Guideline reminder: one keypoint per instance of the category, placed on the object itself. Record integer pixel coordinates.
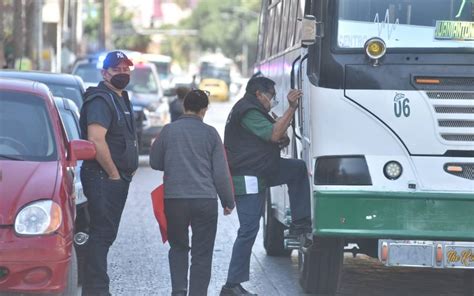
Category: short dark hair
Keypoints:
(260, 83)
(195, 101)
(182, 91)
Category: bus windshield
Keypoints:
(406, 23)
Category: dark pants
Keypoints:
(201, 215)
(106, 200)
(250, 208)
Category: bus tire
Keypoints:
(321, 266)
(72, 286)
(273, 231)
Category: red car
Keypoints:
(37, 199)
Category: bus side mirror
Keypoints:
(309, 29)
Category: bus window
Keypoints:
(269, 33)
(298, 23)
(276, 28)
(284, 25)
(292, 24)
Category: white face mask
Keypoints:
(273, 101)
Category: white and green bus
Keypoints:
(386, 127)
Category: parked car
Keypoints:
(150, 107)
(218, 89)
(61, 85)
(38, 211)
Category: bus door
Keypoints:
(301, 121)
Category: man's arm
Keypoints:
(221, 176)
(96, 134)
(281, 125)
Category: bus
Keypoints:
(163, 66)
(215, 66)
(385, 126)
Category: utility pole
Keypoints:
(106, 25)
(2, 36)
(34, 31)
(18, 44)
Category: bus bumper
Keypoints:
(395, 215)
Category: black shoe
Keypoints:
(301, 226)
(235, 291)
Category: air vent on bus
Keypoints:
(463, 170)
(454, 111)
(450, 95)
(458, 137)
(455, 123)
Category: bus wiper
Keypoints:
(11, 157)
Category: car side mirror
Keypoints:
(81, 150)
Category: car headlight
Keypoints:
(38, 218)
(342, 170)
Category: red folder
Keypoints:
(158, 200)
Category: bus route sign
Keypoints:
(454, 30)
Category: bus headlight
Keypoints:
(392, 170)
(38, 218)
(375, 49)
(342, 170)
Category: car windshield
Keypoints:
(89, 73)
(25, 128)
(143, 80)
(406, 23)
(65, 91)
(163, 69)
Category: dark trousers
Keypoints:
(250, 208)
(201, 215)
(294, 174)
(106, 200)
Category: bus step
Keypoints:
(291, 242)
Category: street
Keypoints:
(138, 262)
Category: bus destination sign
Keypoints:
(454, 30)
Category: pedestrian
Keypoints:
(107, 121)
(192, 157)
(253, 140)
(176, 107)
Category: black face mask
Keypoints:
(120, 81)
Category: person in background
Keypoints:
(192, 157)
(253, 140)
(176, 107)
(107, 121)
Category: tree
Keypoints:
(220, 27)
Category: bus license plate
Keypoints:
(410, 254)
(458, 256)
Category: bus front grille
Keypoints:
(454, 112)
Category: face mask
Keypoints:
(120, 81)
(274, 103)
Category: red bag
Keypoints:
(158, 200)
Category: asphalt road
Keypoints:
(138, 262)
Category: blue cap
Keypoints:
(114, 58)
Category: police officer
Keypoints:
(107, 121)
(253, 140)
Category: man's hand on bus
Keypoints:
(293, 97)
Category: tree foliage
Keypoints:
(223, 25)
